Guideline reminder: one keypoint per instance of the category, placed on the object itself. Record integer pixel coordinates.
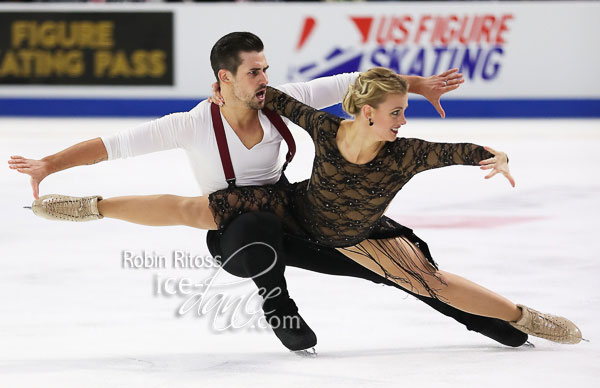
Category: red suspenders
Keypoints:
(273, 117)
(283, 130)
(222, 144)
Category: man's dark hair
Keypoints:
(225, 54)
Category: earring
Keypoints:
(370, 122)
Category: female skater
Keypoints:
(358, 168)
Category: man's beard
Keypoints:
(251, 101)
(256, 105)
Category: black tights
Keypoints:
(266, 228)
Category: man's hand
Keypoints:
(85, 153)
(36, 169)
(499, 164)
(433, 87)
(216, 97)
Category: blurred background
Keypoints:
(520, 59)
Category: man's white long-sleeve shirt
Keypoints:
(194, 132)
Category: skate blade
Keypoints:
(26, 207)
(528, 345)
(306, 353)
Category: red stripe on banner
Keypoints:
(364, 26)
(309, 24)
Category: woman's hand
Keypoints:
(36, 169)
(216, 97)
(499, 164)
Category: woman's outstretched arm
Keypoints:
(160, 210)
(416, 155)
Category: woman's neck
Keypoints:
(357, 143)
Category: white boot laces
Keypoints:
(74, 208)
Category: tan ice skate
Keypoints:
(550, 327)
(65, 208)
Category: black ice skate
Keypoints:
(293, 332)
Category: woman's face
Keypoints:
(389, 116)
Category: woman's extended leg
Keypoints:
(450, 288)
(159, 210)
(154, 210)
(208, 212)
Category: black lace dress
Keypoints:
(342, 204)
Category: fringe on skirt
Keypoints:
(386, 240)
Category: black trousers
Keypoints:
(256, 237)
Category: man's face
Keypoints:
(250, 82)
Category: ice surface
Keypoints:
(71, 316)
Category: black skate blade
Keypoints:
(306, 353)
(585, 340)
(26, 207)
(528, 345)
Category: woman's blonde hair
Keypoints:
(371, 88)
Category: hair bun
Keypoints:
(371, 88)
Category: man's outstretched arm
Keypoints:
(85, 153)
(176, 130)
(326, 91)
